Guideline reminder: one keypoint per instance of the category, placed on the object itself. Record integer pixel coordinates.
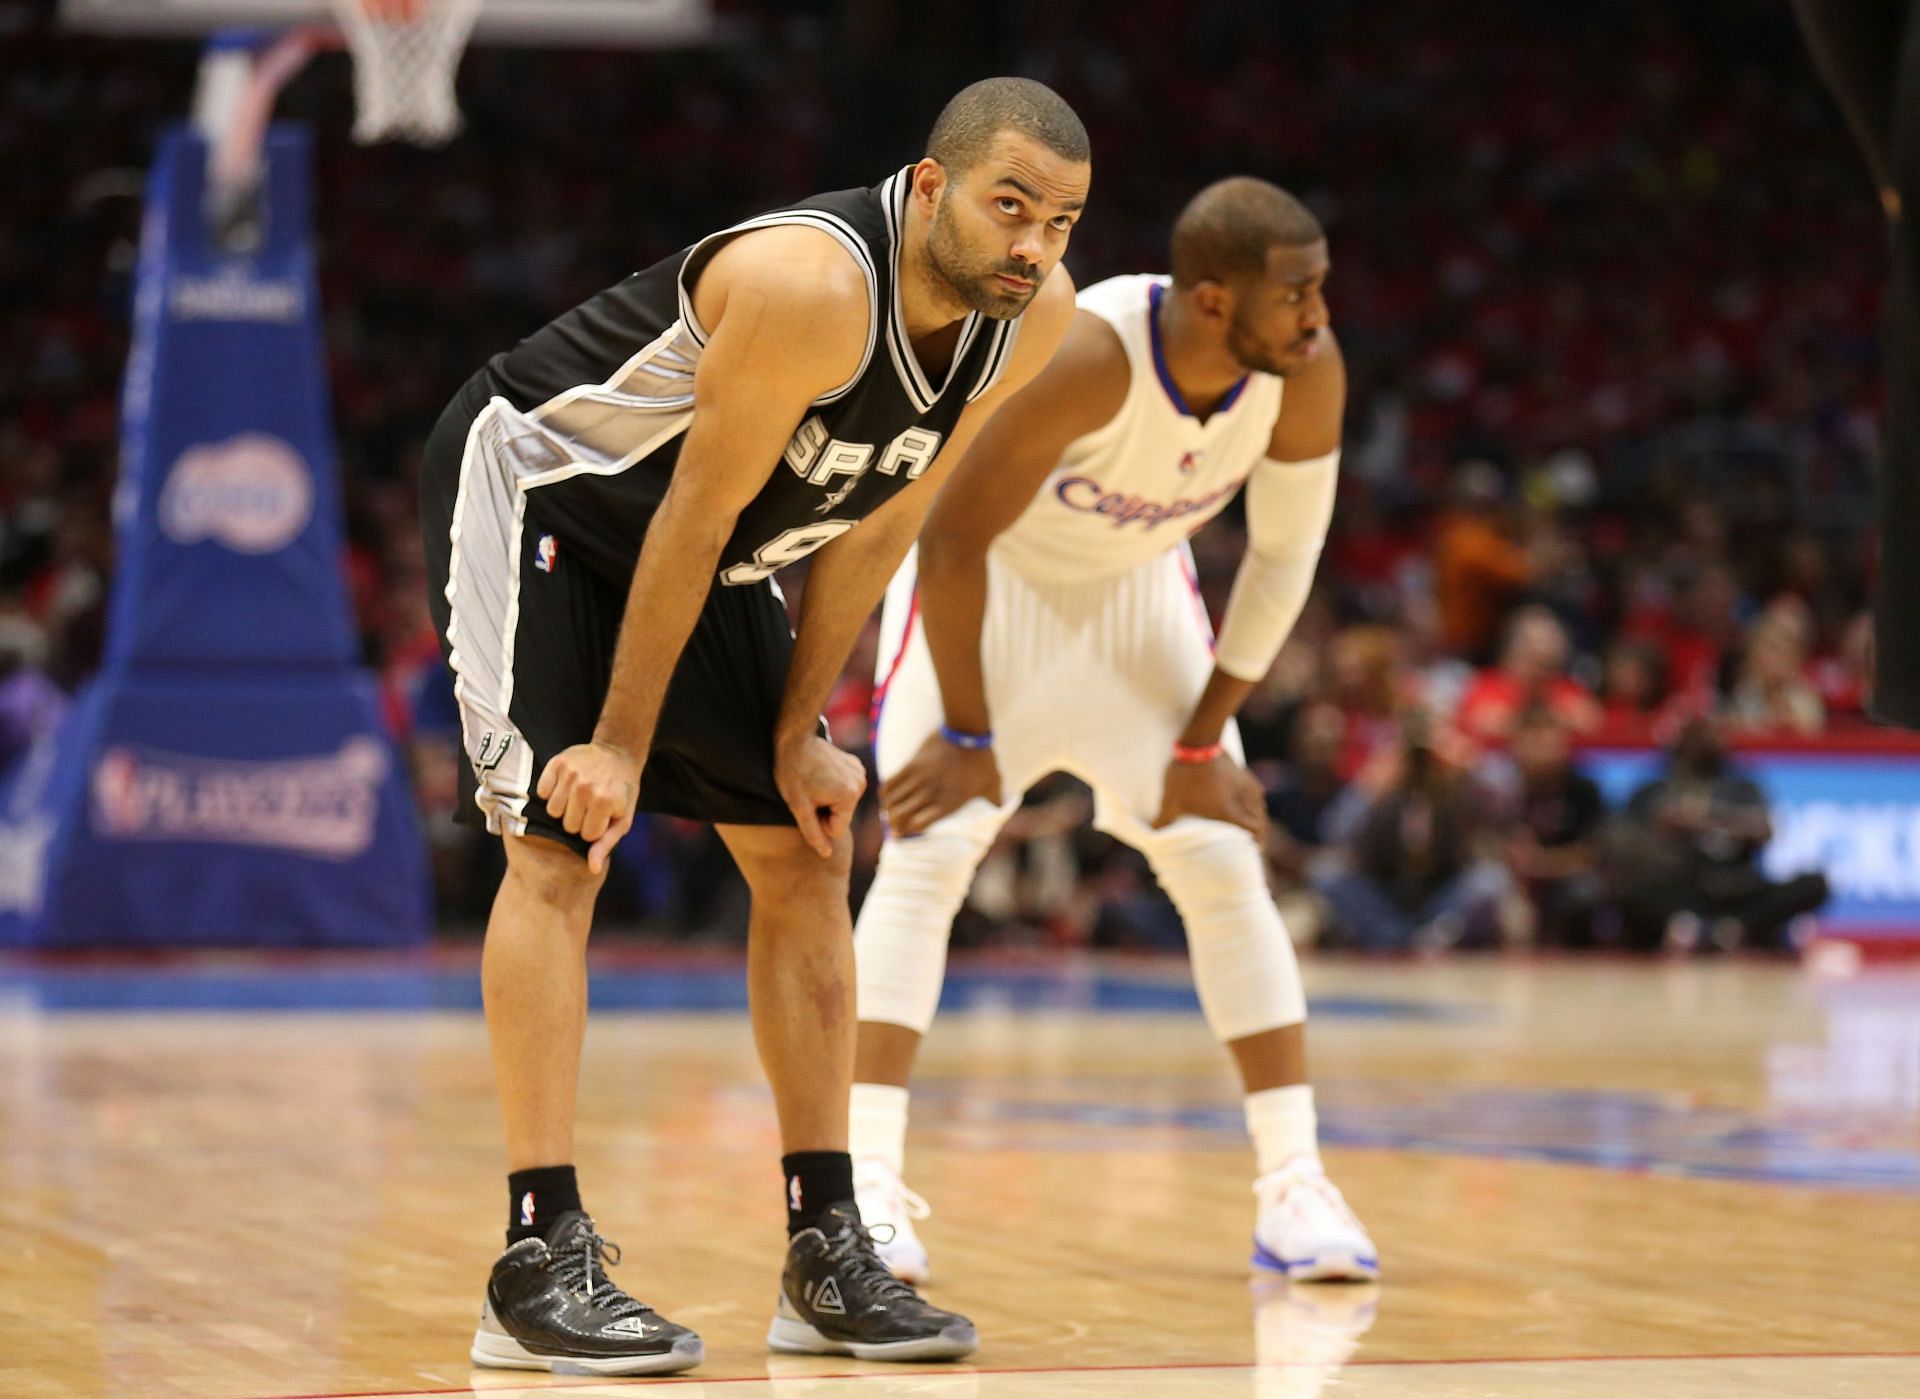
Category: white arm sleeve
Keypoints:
(1289, 507)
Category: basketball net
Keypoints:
(405, 54)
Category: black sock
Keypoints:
(816, 1180)
(538, 1197)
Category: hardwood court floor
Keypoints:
(1585, 1179)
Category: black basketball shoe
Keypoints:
(550, 1307)
(837, 1298)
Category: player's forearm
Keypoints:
(953, 610)
(1289, 510)
(821, 645)
(1268, 596)
(1219, 702)
(678, 559)
(844, 586)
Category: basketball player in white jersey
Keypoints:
(1051, 623)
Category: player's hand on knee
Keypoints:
(1220, 790)
(940, 779)
(592, 789)
(822, 786)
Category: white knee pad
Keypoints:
(900, 939)
(1243, 962)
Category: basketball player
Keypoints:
(604, 508)
(1054, 624)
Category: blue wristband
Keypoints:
(959, 738)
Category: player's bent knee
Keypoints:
(937, 866)
(1243, 960)
(1208, 861)
(777, 862)
(552, 872)
(900, 940)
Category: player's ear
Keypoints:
(1213, 300)
(929, 183)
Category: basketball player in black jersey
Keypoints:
(603, 509)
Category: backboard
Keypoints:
(534, 23)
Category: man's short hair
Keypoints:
(1226, 230)
(965, 129)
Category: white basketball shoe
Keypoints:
(1305, 1230)
(883, 1198)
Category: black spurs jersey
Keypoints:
(588, 414)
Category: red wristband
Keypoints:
(1183, 753)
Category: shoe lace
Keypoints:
(581, 1264)
(852, 1251)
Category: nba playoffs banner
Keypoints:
(266, 813)
(1852, 815)
(225, 779)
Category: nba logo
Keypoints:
(1188, 462)
(545, 553)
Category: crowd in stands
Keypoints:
(1607, 281)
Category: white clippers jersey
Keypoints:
(1147, 480)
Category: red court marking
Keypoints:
(587, 1382)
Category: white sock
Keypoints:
(878, 1123)
(1282, 1124)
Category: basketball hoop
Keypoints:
(405, 55)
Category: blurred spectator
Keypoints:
(1772, 693)
(1554, 822)
(1437, 678)
(1479, 567)
(1368, 681)
(1696, 635)
(1302, 792)
(1689, 863)
(1633, 692)
(1413, 878)
(1532, 671)
(1844, 678)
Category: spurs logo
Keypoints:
(493, 748)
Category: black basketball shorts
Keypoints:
(529, 632)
